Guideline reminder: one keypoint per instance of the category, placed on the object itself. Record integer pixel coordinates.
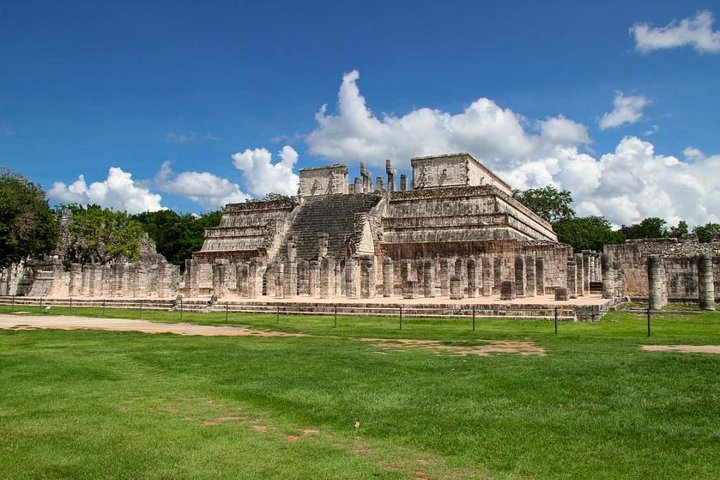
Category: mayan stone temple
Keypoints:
(454, 236)
(457, 233)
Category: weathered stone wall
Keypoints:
(458, 169)
(323, 181)
(680, 264)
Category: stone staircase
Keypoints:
(331, 214)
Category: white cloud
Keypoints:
(207, 189)
(626, 110)
(183, 138)
(696, 32)
(119, 191)
(627, 185)
(261, 176)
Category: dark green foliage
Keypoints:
(27, 225)
(101, 235)
(587, 233)
(177, 236)
(652, 227)
(706, 232)
(548, 202)
(680, 230)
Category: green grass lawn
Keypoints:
(89, 404)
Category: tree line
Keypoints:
(29, 227)
(594, 232)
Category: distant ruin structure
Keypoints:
(453, 230)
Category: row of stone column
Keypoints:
(582, 269)
(123, 280)
(657, 282)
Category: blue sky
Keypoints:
(187, 105)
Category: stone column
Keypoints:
(520, 280)
(191, 278)
(219, 274)
(403, 182)
(303, 277)
(140, 286)
(241, 279)
(444, 275)
(390, 175)
(507, 290)
(706, 282)
(540, 275)
(107, 276)
(253, 279)
(488, 276)
(338, 279)
(608, 277)
(290, 283)
(379, 184)
(75, 285)
(351, 284)
(85, 283)
(497, 272)
(405, 270)
(472, 278)
(456, 288)
(587, 259)
(388, 277)
(530, 275)
(314, 279)
(327, 277)
(279, 279)
(367, 279)
(572, 277)
(655, 283)
(580, 272)
(428, 279)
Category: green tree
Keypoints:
(28, 227)
(101, 235)
(587, 233)
(177, 236)
(548, 202)
(652, 227)
(680, 230)
(706, 232)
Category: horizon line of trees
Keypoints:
(594, 232)
(29, 227)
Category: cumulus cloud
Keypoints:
(627, 185)
(696, 32)
(625, 110)
(261, 176)
(119, 191)
(207, 189)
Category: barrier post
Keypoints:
(473, 313)
(400, 317)
(556, 320)
(226, 312)
(335, 316)
(648, 321)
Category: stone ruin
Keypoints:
(149, 277)
(665, 270)
(456, 233)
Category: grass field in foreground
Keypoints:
(87, 404)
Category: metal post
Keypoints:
(226, 312)
(141, 309)
(556, 318)
(13, 300)
(277, 315)
(473, 311)
(335, 313)
(71, 305)
(400, 317)
(103, 308)
(181, 309)
(648, 320)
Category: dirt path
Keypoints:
(62, 322)
(683, 348)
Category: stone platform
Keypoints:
(545, 306)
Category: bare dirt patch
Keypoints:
(483, 350)
(122, 325)
(302, 433)
(682, 348)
